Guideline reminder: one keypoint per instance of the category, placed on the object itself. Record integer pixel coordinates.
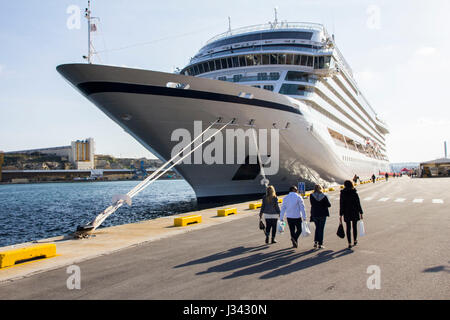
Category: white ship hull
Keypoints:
(141, 103)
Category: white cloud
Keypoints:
(426, 51)
(433, 122)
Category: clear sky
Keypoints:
(398, 50)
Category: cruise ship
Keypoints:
(284, 75)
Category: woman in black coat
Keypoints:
(350, 209)
(319, 213)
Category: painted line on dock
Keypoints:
(438, 201)
(417, 200)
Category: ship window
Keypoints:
(256, 86)
(293, 89)
(268, 87)
(195, 70)
(273, 58)
(222, 78)
(218, 66)
(237, 77)
(316, 62)
(274, 76)
(304, 60)
(230, 63)
(249, 59)
(206, 67)
(327, 61)
(211, 65)
(257, 59)
(200, 68)
(235, 62)
(224, 63)
(297, 59)
(281, 58)
(296, 76)
(242, 61)
(265, 59)
(262, 76)
(289, 58)
(310, 61)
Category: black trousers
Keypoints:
(349, 225)
(320, 226)
(295, 227)
(271, 224)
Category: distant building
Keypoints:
(397, 167)
(435, 168)
(80, 153)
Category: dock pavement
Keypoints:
(405, 254)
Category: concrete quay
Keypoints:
(407, 244)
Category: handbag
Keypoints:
(280, 226)
(361, 229)
(340, 232)
(305, 229)
(261, 225)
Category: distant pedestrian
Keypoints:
(386, 176)
(355, 179)
(271, 211)
(350, 209)
(294, 209)
(373, 178)
(319, 213)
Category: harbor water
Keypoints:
(31, 212)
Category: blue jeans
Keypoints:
(320, 226)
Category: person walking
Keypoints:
(386, 176)
(319, 213)
(350, 209)
(294, 209)
(373, 178)
(271, 211)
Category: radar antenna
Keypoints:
(276, 16)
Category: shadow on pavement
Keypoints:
(438, 269)
(321, 257)
(223, 255)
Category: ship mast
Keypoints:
(91, 28)
(87, 14)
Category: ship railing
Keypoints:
(269, 26)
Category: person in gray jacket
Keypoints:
(271, 211)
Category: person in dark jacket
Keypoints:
(319, 213)
(373, 178)
(350, 209)
(271, 211)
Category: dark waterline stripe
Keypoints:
(93, 87)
